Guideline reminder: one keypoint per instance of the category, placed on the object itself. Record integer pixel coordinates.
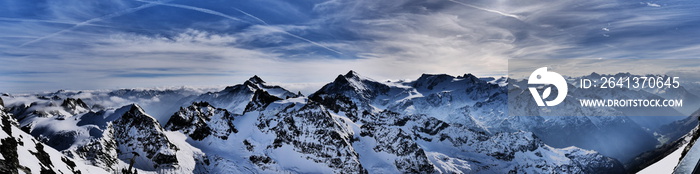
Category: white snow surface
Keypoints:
(665, 165)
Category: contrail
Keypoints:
(65, 22)
(88, 22)
(203, 10)
(212, 12)
(250, 15)
(288, 33)
(45, 21)
(489, 10)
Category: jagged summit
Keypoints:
(260, 100)
(135, 109)
(75, 105)
(136, 113)
(469, 76)
(139, 136)
(428, 81)
(256, 80)
(351, 74)
(353, 81)
(236, 98)
(59, 91)
(594, 75)
(200, 120)
(426, 77)
(431, 81)
(253, 83)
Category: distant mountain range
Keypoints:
(435, 124)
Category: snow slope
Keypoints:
(22, 153)
(665, 165)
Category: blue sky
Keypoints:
(77, 44)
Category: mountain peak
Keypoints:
(260, 100)
(467, 75)
(73, 103)
(351, 74)
(470, 77)
(432, 77)
(140, 137)
(256, 80)
(75, 106)
(424, 75)
(131, 111)
(135, 109)
(254, 83)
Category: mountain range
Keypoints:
(435, 124)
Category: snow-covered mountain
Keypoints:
(434, 124)
(235, 98)
(481, 105)
(368, 140)
(22, 153)
(111, 139)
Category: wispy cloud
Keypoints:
(127, 43)
(488, 10)
(651, 4)
(272, 28)
(203, 10)
(88, 22)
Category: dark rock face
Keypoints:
(260, 160)
(8, 146)
(411, 158)
(429, 81)
(312, 130)
(256, 80)
(260, 100)
(335, 103)
(137, 133)
(100, 152)
(71, 104)
(44, 159)
(200, 120)
(389, 131)
(60, 140)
